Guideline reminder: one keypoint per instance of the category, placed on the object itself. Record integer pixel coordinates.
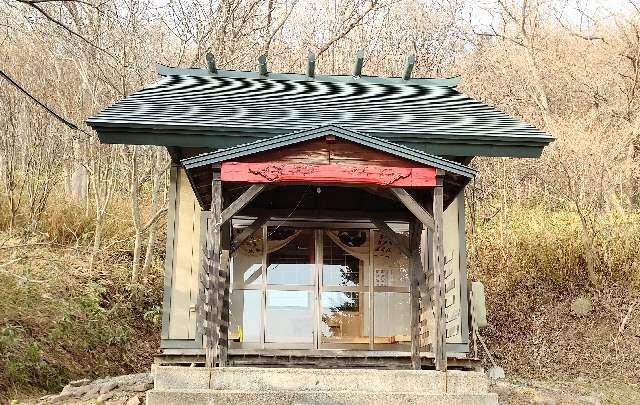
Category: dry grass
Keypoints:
(533, 278)
(62, 321)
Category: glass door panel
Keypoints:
(244, 322)
(289, 317)
(344, 300)
(290, 296)
(392, 321)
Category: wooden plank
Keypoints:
(168, 262)
(285, 172)
(213, 271)
(413, 206)
(396, 238)
(241, 201)
(326, 215)
(415, 268)
(325, 151)
(246, 233)
(439, 344)
(184, 277)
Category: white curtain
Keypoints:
(253, 246)
(386, 255)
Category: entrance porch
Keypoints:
(328, 240)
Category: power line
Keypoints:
(43, 105)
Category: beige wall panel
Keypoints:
(451, 243)
(186, 261)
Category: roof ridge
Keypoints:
(450, 82)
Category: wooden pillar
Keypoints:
(415, 270)
(223, 294)
(213, 273)
(439, 342)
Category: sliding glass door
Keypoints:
(327, 289)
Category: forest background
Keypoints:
(555, 239)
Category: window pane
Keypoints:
(289, 317)
(392, 320)
(291, 260)
(244, 322)
(345, 258)
(390, 265)
(247, 270)
(345, 318)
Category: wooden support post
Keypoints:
(439, 342)
(242, 201)
(213, 273)
(415, 269)
(311, 65)
(223, 295)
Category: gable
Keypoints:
(329, 150)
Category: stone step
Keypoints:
(211, 397)
(304, 379)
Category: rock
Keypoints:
(495, 373)
(78, 391)
(93, 390)
(78, 383)
(133, 401)
(141, 387)
(60, 398)
(591, 401)
(110, 386)
(104, 397)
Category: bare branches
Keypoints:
(35, 5)
(43, 105)
(352, 21)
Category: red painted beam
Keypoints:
(286, 172)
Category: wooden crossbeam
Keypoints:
(408, 67)
(311, 65)
(413, 206)
(262, 66)
(242, 201)
(211, 63)
(357, 66)
(395, 238)
(247, 232)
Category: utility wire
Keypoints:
(43, 105)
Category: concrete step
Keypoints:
(304, 379)
(210, 397)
